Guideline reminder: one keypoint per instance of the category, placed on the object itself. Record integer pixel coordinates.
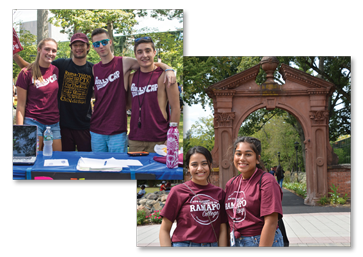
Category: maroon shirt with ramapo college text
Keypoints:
(42, 101)
(191, 215)
(252, 203)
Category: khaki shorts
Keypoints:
(135, 146)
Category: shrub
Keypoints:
(155, 217)
(141, 217)
(334, 195)
(324, 200)
(298, 188)
(341, 200)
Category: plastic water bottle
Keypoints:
(48, 142)
(172, 146)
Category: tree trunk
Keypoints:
(42, 24)
(110, 32)
(321, 66)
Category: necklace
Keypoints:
(140, 104)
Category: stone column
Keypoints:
(223, 129)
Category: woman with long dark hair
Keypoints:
(253, 199)
(197, 206)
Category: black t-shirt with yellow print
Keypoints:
(74, 95)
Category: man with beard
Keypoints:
(74, 95)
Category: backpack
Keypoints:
(280, 222)
(280, 174)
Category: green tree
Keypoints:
(29, 52)
(200, 134)
(277, 135)
(83, 20)
(201, 72)
(169, 48)
(115, 21)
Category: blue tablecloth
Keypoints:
(159, 170)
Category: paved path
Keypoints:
(305, 225)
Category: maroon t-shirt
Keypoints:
(192, 216)
(109, 117)
(42, 101)
(154, 126)
(252, 203)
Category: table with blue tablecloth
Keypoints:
(151, 170)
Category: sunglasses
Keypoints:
(146, 38)
(98, 43)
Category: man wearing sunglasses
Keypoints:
(74, 95)
(109, 120)
(154, 104)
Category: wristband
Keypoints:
(169, 69)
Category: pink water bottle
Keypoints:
(172, 146)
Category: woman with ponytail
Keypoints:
(37, 89)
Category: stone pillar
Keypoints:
(223, 129)
(317, 155)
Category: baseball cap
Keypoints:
(79, 37)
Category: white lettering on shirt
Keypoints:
(141, 90)
(101, 83)
(241, 203)
(205, 211)
(45, 82)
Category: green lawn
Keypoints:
(148, 189)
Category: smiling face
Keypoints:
(47, 53)
(145, 54)
(79, 49)
(199, 168)
(245, 159)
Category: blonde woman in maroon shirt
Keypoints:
(37, 88)
(197, 206)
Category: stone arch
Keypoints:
(282, 107)
(304, 96)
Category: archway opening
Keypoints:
(282, 138)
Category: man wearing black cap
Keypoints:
(74, 96)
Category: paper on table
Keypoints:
(56, 162)
(111, 164)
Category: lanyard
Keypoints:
(140, 105)
(235, 201)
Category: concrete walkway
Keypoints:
(306, 229)
(307, 226)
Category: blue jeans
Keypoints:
(41, 127)
(254, 241)
(280, 182)
(109, 143)
(191, 244)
